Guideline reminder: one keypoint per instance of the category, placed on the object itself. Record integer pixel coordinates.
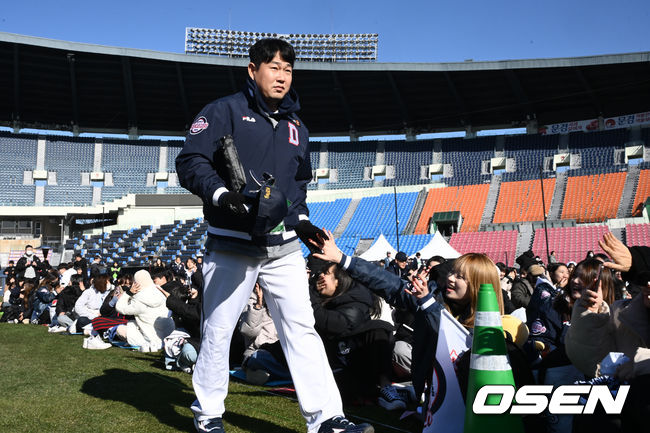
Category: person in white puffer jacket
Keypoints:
(152, 319)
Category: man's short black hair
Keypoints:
(265, 49)
(11, 262)
(162, 273)
(76, 279)
(29, 246)
(438, 259)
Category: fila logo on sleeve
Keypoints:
(293, 134)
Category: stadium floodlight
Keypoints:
(346, 47)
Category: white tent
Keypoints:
(438, 246)
(378, 250)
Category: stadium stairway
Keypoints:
(491, 202)
(619, 233)
(555, 209)
(629, 192)
(415, 214)
(363, 246)
(524, 240)
(347, 216)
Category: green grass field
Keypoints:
(49, 383)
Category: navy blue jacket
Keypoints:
(427, 314)
(280, 149)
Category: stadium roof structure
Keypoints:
(49, 84)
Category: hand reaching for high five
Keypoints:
(329, 251)
(620, 254)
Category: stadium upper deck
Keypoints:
(81, 87)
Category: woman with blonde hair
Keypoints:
(468, 273)
(466, 276)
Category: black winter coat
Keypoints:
(21, 265)
(427, 320)
(67, 298)
(186, 314)
(340, 316)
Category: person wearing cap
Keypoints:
(523, 288)
(236, 147)
(398, 266)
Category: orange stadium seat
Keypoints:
(468, 199)
(522, 201)
(642, 191)
(593, 198)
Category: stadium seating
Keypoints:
(637, 235)
(466, 157)
(642, 191)
(129, 163)
(376, 215)
(597, 149)
(529, 153)
(173, 149)
(328, 214)
(410, 244)
(500, 246)
(593, 198)
(407, 158)
(522, 201)
(350, 161)
(469, 200)
(135, 247)
(569, 243)
(18, 155)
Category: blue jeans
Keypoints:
(187, 357)
(263, 360)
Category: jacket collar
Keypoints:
(289, 104)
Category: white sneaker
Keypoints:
(96, 343)
(72, 329)
(57, 329)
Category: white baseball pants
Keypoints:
(229, 279)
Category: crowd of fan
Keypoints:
(585, 321)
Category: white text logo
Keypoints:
(533, 399)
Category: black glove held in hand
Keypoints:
(306, 231)
(233, 202)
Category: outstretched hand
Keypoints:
(329, 251)
(418, 287)
(310, 235)
(620, 254)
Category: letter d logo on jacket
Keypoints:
(293, 134)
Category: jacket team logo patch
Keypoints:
(537, 328)
(199, 125)
(293, 134)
